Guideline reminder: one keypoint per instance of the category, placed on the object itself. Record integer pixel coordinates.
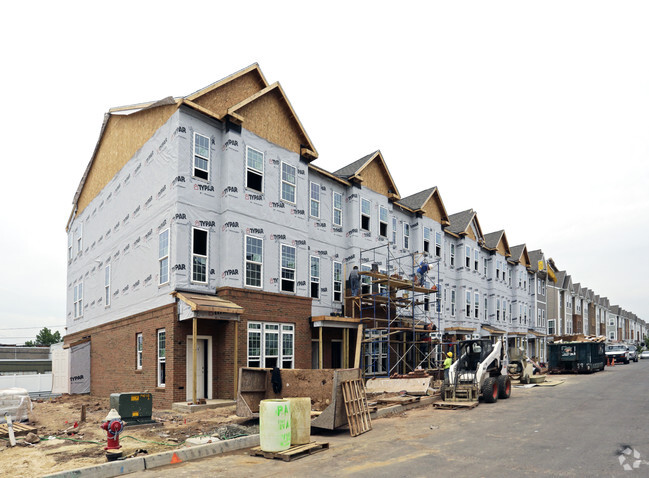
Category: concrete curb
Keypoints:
(132, 465)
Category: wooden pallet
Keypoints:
(398, 400)
(358, 413)
(293, 453)
(455, 405)
(19, 429)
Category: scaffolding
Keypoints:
(401, 323)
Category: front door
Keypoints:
(203, 367)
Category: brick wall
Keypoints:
(113, 355)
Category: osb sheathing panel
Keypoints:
(376, 178)
(270, 117)
(123, 136)
(470, 233)
(433, 209)
(501, 249)
(234, 92)
(524, 260)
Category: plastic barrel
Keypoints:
(274, 425)
(300, 420)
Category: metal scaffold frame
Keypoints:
(396, 311)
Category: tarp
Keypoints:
(16, 403)
(80, 368)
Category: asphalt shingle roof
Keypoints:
(492, 239)
(418, 200)
(352, 168)
(460, 221)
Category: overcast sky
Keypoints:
(536, 115)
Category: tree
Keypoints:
(45, 337)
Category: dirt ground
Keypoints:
(63, 446)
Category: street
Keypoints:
(590, 425)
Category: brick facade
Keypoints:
(113, 349)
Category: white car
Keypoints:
(644, 354)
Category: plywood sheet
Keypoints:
(412, 386)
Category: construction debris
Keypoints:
(292, 453)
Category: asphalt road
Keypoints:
(588, 426)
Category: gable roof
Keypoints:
(535, 257)
(417, 202)
(238, 113)
(497, 240)
(353, 172)
(460, 221)
(519, 254)
(561, 279)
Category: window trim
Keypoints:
(77, 300)
(166, 256)
(476, 305)
(254, 170)
(312, 277)
(338, 282)
(452, 255)
(139, 351)
(394, 230)
(161, 359)
(385, 223)
(285, 181)
(368, 215)
(260, 328)
(438, 245)
(336, 209)
(312, 200)
(207, 255)
(79, 240)
(406, 236)
(453, 302)
(206, 159)
(467, 257)
(261, 264)
(467, 304)
(282, 268)
(426, 240)
(476, 260)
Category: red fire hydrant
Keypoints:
(113, 425)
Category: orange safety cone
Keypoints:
(175, 459)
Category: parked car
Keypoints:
(633, 353)
(644, 354)
(618, 352)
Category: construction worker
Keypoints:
(447, 364)
(354, 281)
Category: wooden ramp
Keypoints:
(293, 453)
(358, 413)
(19, 429)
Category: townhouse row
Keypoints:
(204, 217)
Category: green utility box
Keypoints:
(134, 408)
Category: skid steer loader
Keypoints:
(479, 371)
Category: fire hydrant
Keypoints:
(113, 425)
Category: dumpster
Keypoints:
(576, 357)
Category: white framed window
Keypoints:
(497, 269)
(288, 183)
(314, 200)
(271, 344)
(338, 281)
(288, 268)
(337, 209)
(476, 259)
(504, 272)
(254, 261)
(366, 208)
(452, 255)
(201, 156)
(80, 238)
(139, 348)
(162, 357)
(467, 304)
(70, 244)
(538, 317)
(497, 309)
(438, 244)
(366, 281)
(394, 230)
(199, 255)
(467, 257)
(486, 308)
(406, 235)
(452, 303)
(78, 300)
(254, 169)
(383, 221)
(314, 274)
(426, 239)
(476, 304)
(107, 285)
(485, 264)
(163, 257)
